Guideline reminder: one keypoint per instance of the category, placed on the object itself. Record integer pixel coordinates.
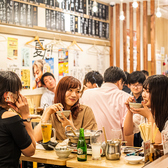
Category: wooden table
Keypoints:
(47, 157)
(103, 163)
(50, 157)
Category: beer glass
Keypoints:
(96, 142)
(46, 127)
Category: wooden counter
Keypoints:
(47, 157)
(161, 162)
(103, 163)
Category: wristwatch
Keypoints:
(27, 120)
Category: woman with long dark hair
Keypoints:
(16, 133)
(67, 96)
(155, 98)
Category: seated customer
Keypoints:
(146, 73)
(16, 133)
(108, 102)
(67, 96)
(49, 82)
(126, 85)
(155, 98)
(93, 79)
(136, 80)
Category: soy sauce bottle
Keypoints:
(81, 147)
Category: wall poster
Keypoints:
(63, 64)
(12, 48)
(25, 78)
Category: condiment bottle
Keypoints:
(81, 147)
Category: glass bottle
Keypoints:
(81, 147)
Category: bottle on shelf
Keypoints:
(81, 147)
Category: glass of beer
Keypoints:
(46, 127)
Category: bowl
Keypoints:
(133, 159)
(65, 112)
(62, 153)
(135, 105)
(48, 144)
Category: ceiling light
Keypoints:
(94, 6)
(59, 1)
(122, 17)
(158, 13)
(135, 4)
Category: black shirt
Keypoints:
(13, 138)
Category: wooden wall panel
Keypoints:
(138, 35)
(117, 35)
(153, 60)
(145, 37)
(125, 37)
(131, 35)
(111, 37)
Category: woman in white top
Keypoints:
(155, 107)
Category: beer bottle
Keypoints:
(81, 147)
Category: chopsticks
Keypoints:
(148, 132)
(104, 135)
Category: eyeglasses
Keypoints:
(136, 86)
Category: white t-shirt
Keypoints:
(47, 98)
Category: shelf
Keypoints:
(64, 11)
(49, 34)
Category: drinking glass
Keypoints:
(46, 127)
(96, 142)
(116, 134)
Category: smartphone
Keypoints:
(11, 97)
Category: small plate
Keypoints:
(133, 159)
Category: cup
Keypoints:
(96, 142)
(46, 127)
(116, 134)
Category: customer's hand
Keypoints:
(21, 106)
(54, 108)
(130, 99)
(145, 111)
(66, 121)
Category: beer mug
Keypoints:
(46, 127)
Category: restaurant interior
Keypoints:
(72, 38)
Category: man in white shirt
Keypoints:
(48, 81)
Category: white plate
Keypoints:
(133, 159)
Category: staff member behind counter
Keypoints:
(67, 96)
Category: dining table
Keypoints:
(50, 157)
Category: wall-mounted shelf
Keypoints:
(46, 34)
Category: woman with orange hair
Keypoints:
(67, 96)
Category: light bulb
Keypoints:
(122, 17)
(135, 4)
(59, 1)
(158, 13)
(94, 6)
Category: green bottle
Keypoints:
(81, 147)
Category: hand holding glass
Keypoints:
(96, 142)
